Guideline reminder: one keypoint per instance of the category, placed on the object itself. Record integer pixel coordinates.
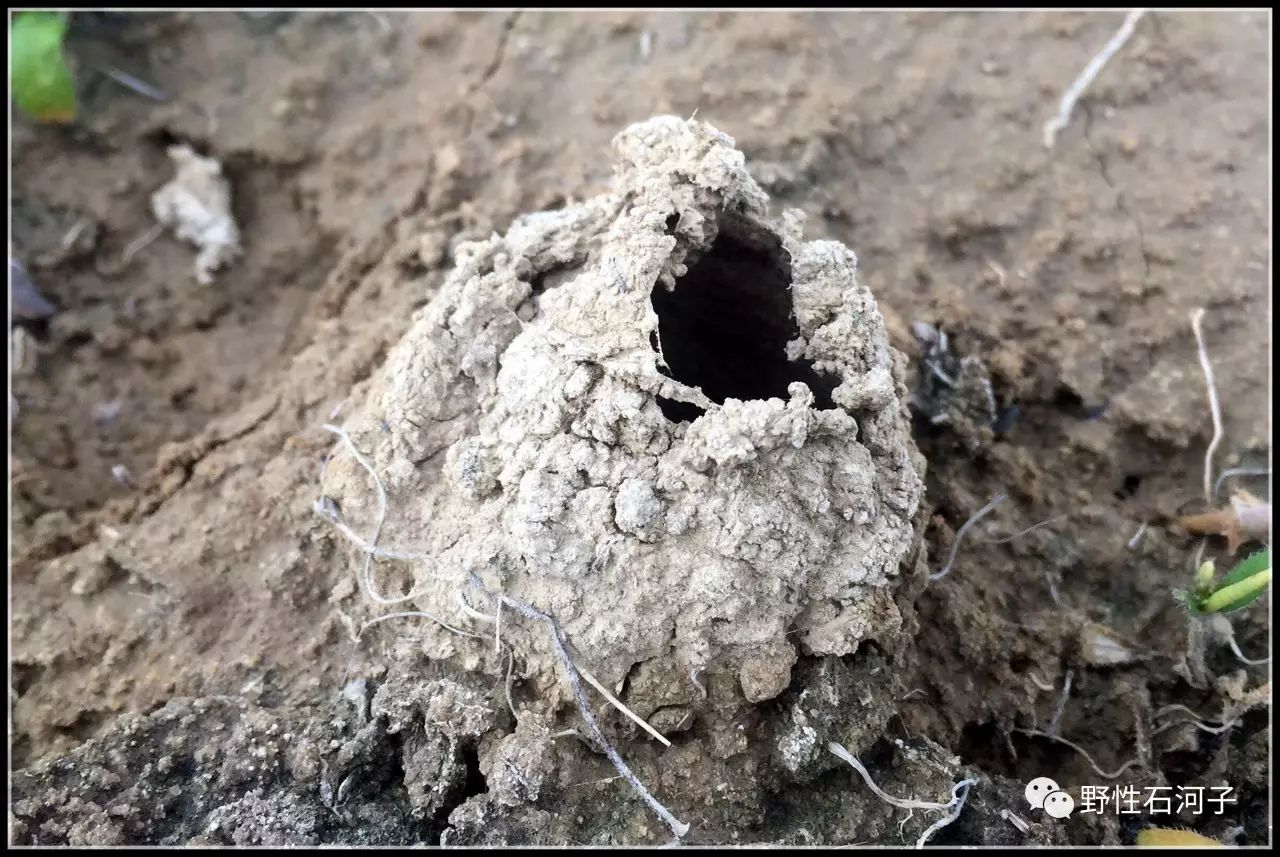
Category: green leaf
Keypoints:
(1241, 587)
(39, 78)
(1248, 567)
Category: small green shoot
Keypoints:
(39, 78)
(1240, 588)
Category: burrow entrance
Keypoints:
(725, 326)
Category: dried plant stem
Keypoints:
(617, 703)
(1081, 83)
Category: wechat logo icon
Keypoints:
(1044, 793)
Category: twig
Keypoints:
(1083, 752)
(584, 707)
(1215, 409)
(1117, 41)
(617, 703)
(977, 516)
(1137, 537)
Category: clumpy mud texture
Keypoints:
(525, 429)
(196, 205)
(184, 667)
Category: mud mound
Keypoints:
(656, 417)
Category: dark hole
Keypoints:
(1067, 400)
(679, 412)
(1129, 486)
(1007, 419)
(475, 783)
(725, 326)
(982, 744)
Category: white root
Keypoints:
(1237, 471)
(1215, 409)
(953, 807)
(964, 528)
(958, 799)
(1109, 775)
(1137, 537)
(496, 619)
(1223, 628)
(1056, 720)
(1240, 656)
(419, 614)
(848, 758)
(557, 643)
(366, 571)
(1211, 726)
(1081, 83)
(1031, 529)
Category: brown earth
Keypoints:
(170, 628)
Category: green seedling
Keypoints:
(1240, 588)
(39, 78)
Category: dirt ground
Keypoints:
(179, 651)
